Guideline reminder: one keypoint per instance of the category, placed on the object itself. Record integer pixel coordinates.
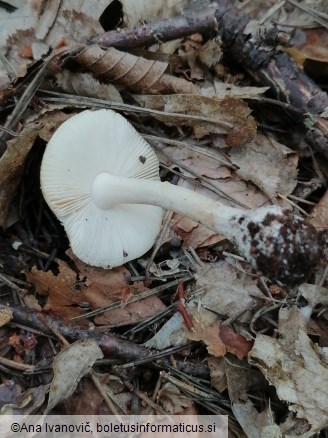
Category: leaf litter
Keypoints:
(261, 351)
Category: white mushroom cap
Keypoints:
(86, 145)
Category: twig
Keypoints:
(160, 31)
(112, 345)
(31, 369)
(103, 393)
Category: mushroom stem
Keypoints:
(276, 242)
(109, 190)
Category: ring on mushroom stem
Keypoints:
(101, 180)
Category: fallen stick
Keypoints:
(113, 346)
(287, 81)
(203, 21)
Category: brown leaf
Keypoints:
(95, 286)
(310, 51)
(235, 343)
(194, 234)
(320, 213)
(270, 165)
(222, 89)
(228, 116)
(14, 340)
(220, 340)
(134, 72)
(132, 313)
(61, 290)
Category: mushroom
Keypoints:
(101, 180)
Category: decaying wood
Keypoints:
(113, 346)
(134, 72)
(276, 69)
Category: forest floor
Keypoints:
(231, 96)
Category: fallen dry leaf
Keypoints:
(106, 286)
(172, 400)
(319, 215)
(228, 116)
(58, 25)
(319, 329)
(240, 378)
(86, 400)
(255, 424)
(310, 51)
(270, 165)
(5, 316)
(295, 366)
(223, 290)
(190, 51)
(62, 295)
(134, 72)
(68, 291)
(314, 294)
(221, 90)
(220, 339)
(201, 160)
(69, 366)
(193, 234)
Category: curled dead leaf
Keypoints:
(134, 72)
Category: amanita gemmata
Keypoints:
(101, 180)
